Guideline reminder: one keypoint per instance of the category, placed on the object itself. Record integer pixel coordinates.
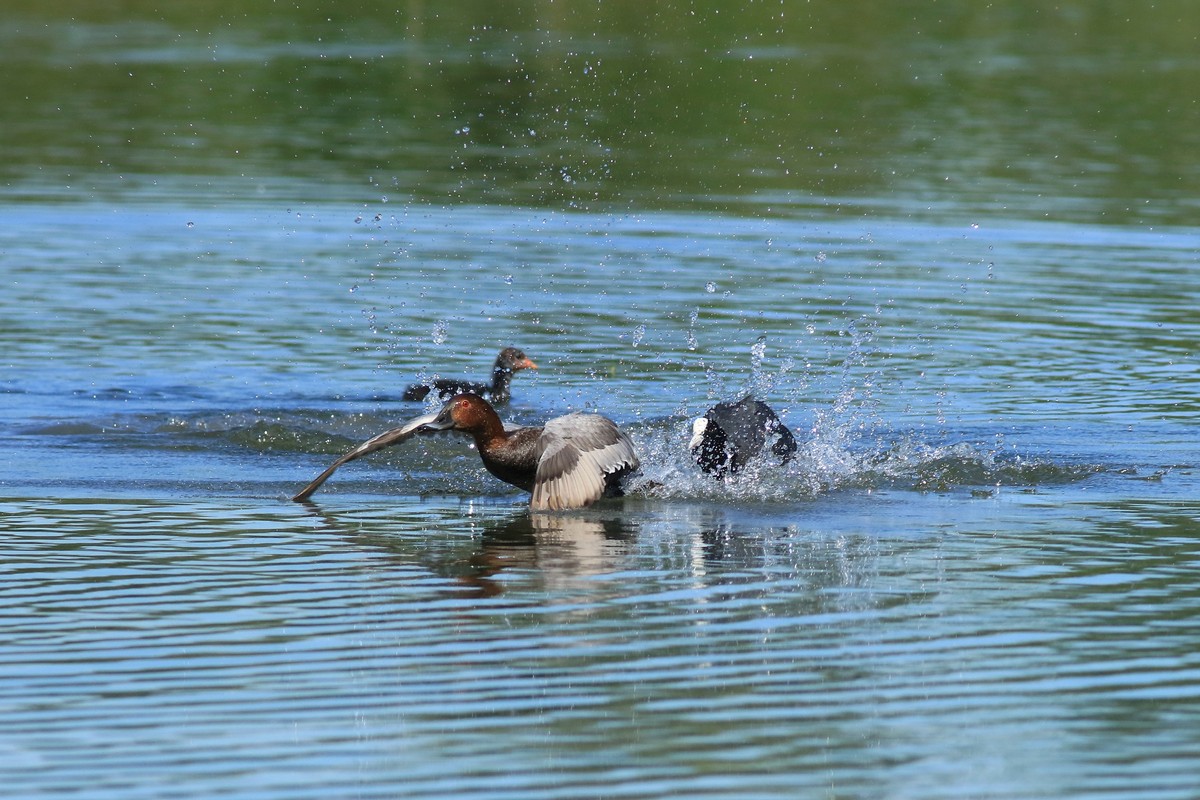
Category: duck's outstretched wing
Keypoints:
(579, 455)
(385, 439)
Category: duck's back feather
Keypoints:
(580, 458)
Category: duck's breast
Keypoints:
(516, 461)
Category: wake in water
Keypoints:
(844, 445)
(835, 451)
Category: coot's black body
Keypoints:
(731, 434)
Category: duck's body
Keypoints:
(570, 462)
(731, 434)
(509, 361)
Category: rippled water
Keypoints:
(873, 645)
(975, 580)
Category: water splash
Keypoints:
(836, 454)
(757, 352)
(693, 320)
(761, 382)
(441, 331)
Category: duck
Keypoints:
(569, 462)
(509, 361)
(732, 433)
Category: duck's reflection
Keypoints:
(561, 550)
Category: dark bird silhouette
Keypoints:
(570, 462)
(509, 361)
(731, 434)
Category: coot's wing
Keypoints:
(385, 439)
(785, 443)
(577, 453)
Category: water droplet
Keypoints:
(639, 333)
(191, 224)
(758, 351)
(710, 287)
(508, 279)
(440, 331)
(354, 288)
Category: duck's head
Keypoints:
(463, 412)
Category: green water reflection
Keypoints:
(1084, 112)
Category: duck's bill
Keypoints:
(425, 422)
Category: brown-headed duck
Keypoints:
(730, 434)
(509, 361)
(570, 462)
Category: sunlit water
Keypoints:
(976, 578)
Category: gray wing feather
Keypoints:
(385, 439)
(577, 453)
